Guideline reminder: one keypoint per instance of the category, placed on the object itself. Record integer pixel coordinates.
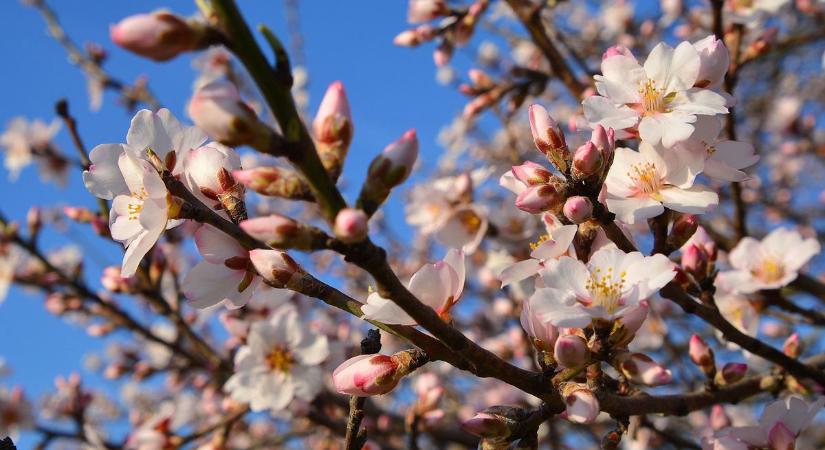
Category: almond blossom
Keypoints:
(438, 285)
(723, 159)
(640, 185)
(226, 274)
(556, 242)
(610, 286)
(658, 100)
(781, 422)
(279, 362)
(123, 173)
(24, 140)
(768, 264)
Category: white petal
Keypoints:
(215, 246)
(383, 310)
(601, 110)
(696, 200)
(208, 284)
(103, 179)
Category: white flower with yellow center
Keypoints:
(658, 100)
(640, 185)
(770, 264)
(557, 242)
(280, 361)
(608, 287)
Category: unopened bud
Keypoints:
(279, 231)
(617, 50)
(367, 375)
(532, 174)
(426, 10)
(731, 373)
(702, 355)
(587, 160)
(541, 198)
(351, 225)
(683, 228)
(487, 425)
(159, 35)
(542, 332)
(333, 128)
(630, 322)
(792, 346)
(571, 351)
(480, 79)
(695, 261)
(581, 405)
(274, 182)
(276, 267)
(548, 137)
(217, 109)
(78, 214)
(113, 282)
(642, 369)
(34, 220)
(387, 170)
(578, 209)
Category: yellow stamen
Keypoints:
(647, 180)
(606, 289)
(280, 359)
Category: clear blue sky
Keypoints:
(391, 89)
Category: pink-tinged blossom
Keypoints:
(280, 362)
(541, 331)
(208, 173)
(640, 185)
(768, 264)
(159, 36)
(723, 159)
(333, 121)
(581, 405)
(714, 60)
(556, 242)
(225, 275)
(276, 267)
(22, 140)
(534, 192)
(657, 100)
(571, 351)
(610, 285)
(425, 10)
(437, 285)
(578, 209)
(218, 109)
(781, 422)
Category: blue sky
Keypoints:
(391, 89)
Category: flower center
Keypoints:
(770, 270)
(470, 221)
(136, 207)
(653, 99)
(280, 359)
(647, 180)
(605, 289)
(542, 239)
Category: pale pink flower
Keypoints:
(640, 185)
(280, 362)
(781, 422)
(23, 139)
(610, 285)
(556, 242)
(208, 171)
(768, 264)
(723, 159)
(658, 100)
(437, 285)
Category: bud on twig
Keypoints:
(280, 232)
(702, 355)
(683, 228)
(548, 137)
(161, 35)
(581, 405)
(276, 267)
(642, 369)
(366, 375)
(351, 225)
(571, 351)
(274, 182)
(731, 373)
(217, 108)
(388, 170)
(333, 129)
(578, 209)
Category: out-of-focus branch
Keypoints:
(92, 69)
(529, 14)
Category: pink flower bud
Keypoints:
(278, 231)
(217, 109)
(700, 353)
(695, 261)
(718, 418)
(351, 225)
(714, 60)
(486, 425)
(578, 209)
(571, 351)
(395, 163)
(406, 38)
(617, 50)
(531, 173)
(792, 347)
(732, 372)
(641, 369)
(78, 214)
(160, 35)
(276, 267)
(333, 122)
(425, 10)
(539, 198)
(366, 375)
(548, 136)
(604, 140)
(442, 54)
(587, 160)
(274, 182)
(581, 405)
(113, 282)
(209, 168)
(480, 79)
